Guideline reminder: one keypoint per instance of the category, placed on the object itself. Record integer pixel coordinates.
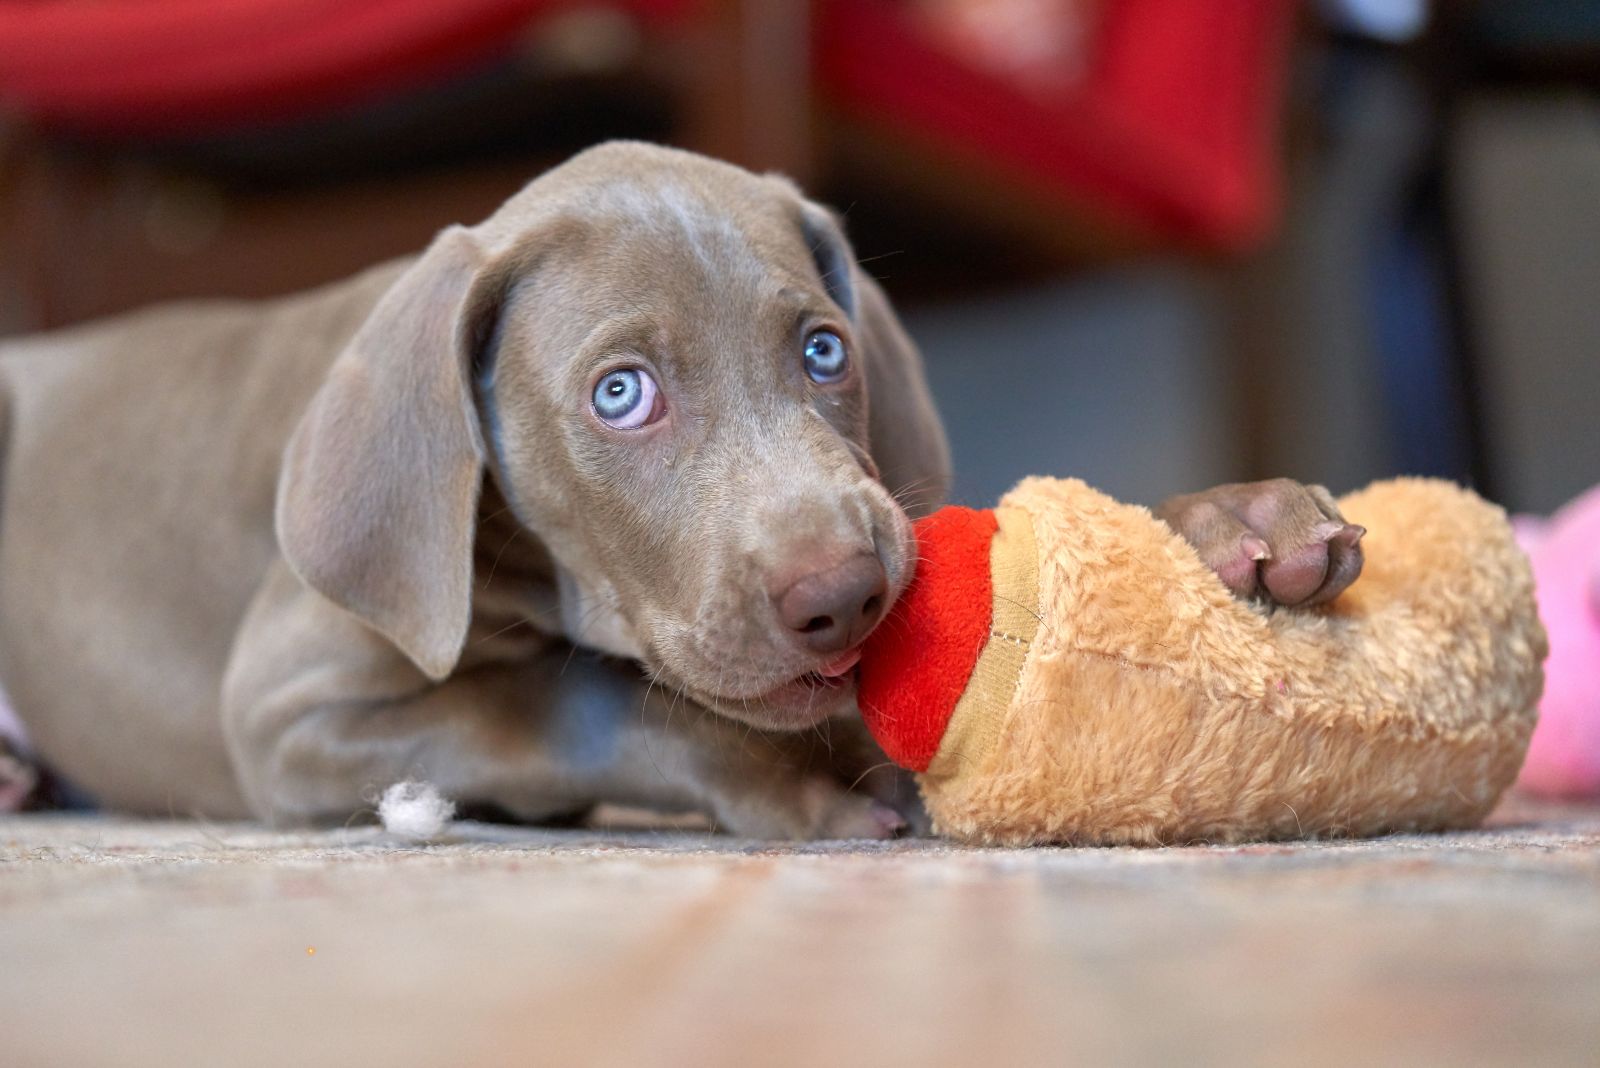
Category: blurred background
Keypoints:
(1155, 243)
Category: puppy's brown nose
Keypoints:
(833, 609)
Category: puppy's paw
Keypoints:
(1278, 540)
(805, 809)
(884, 804)
(861, 816)
(857, 761)
(833, 785)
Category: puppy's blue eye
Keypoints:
(628, 398)
(826, 359)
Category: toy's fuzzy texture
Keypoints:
(1151, 706)
(415, 811)
(1564, 757)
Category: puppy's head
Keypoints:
(666, 363)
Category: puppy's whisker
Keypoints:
(875, 767)
(515, 623)
(495, 566)
(899, 494)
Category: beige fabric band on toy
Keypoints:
(980, 714)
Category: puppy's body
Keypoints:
(141, 465)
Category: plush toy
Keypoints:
(1064, 668)
(1564, 757)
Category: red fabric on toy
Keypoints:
(916, 665)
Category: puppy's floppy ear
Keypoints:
(907, 437)
(831, 253)
(378, 495)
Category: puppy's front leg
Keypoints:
(321, 713)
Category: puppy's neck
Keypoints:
(517, 580)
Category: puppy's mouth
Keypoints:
(811, 697)
(837, 673)
(824, 692)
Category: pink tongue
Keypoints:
(834, 668)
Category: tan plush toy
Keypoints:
(1064, 668)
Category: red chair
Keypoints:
(1169, 131)
(1168, 136)
(157, 67)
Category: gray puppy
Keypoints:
(263, 559)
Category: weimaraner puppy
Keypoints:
(586, 503)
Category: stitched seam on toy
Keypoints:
(1027, 651)
(1192, 685)
(1037, 612)
(1118, 658)
(1016, 687)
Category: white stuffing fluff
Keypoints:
(415, 811)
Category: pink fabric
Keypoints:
(11, 729)
(16, 779)
(1564, 759)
